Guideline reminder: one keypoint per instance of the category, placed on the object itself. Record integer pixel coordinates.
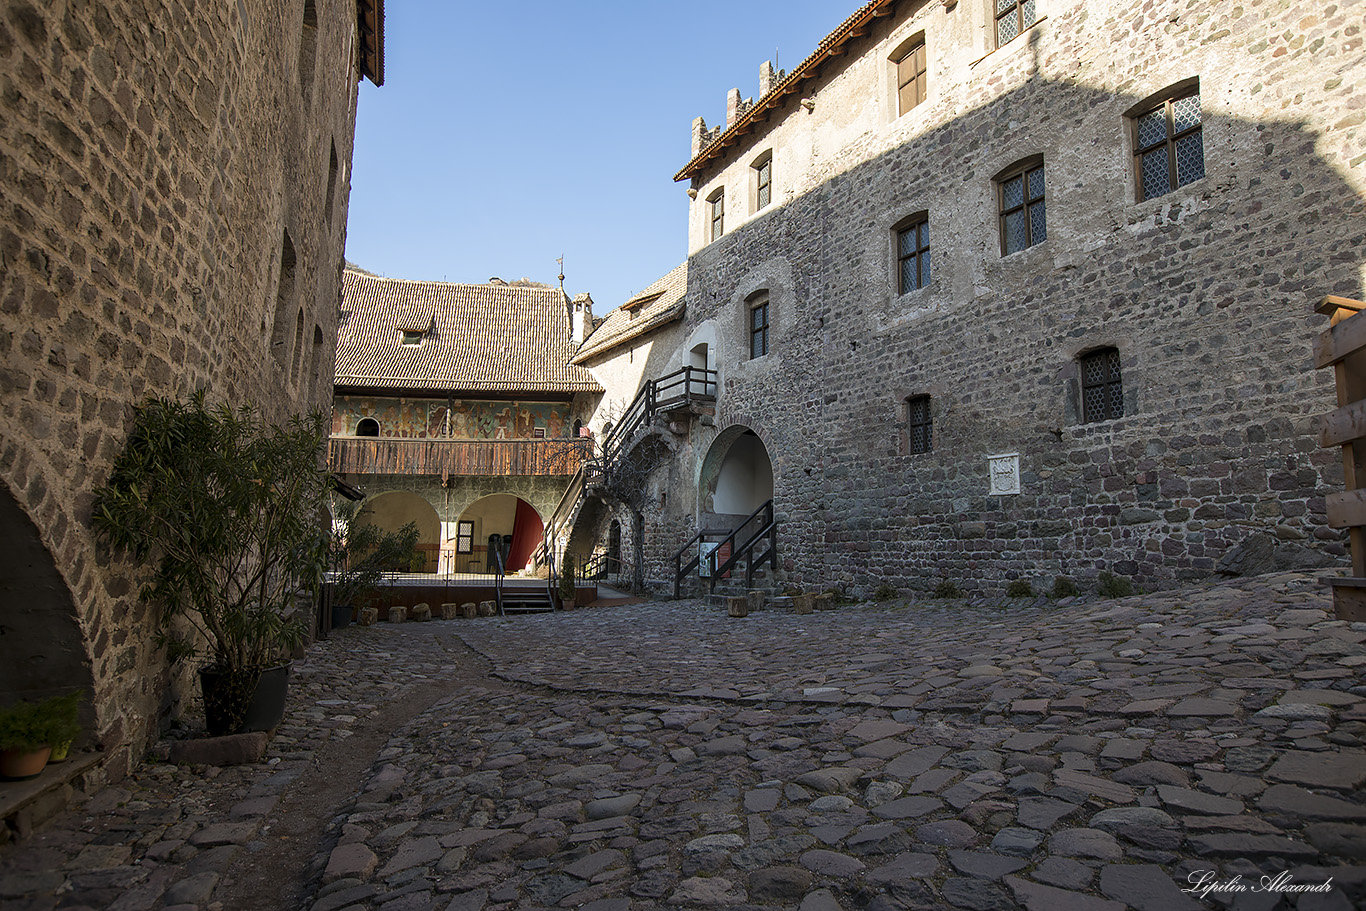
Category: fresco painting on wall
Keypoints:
(468, 420)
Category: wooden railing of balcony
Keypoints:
(367, 455)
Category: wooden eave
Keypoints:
(370, 44)
(833, 45)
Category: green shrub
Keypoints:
(1063, 587)
(1020, 588)
(1108, 585)
(884, 592)
(34, 725)
(947, 589)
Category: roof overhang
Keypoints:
(856, 26)
(370, 46)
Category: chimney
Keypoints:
(699, 129)
(732, 106)
(580, 317)
(766, 78)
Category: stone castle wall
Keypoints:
(1206, 292)
(175, 180)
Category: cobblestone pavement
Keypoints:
(1083, 756)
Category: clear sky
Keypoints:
(508, 134)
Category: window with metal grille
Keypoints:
(1169, 150)
(763, 183)
(1021, 198)
(716, 206)
(919, 425)
(464, 537)
(1013, 17)
(913, 255)
(758, 327)
(1102, 392)
(910, 79)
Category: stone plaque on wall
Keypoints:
(1005, 473)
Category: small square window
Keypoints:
(910, 79)
(716, 208)
(763, 183)
(412, 339)
(1169, 150)
(1012, 18)
(913, 256)
(464, 537)
(1020, 192)
(758, 327)
(919, 424)
(1102, 389)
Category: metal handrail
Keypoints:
(499, 571)
(767, 529)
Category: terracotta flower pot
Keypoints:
(19, 764)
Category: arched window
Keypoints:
(367, 427)
(284, 297)
(308, 48)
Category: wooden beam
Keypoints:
(1346, 424)
(1340, 342)
(1347, 508)
(837, 51)
(1332, 303)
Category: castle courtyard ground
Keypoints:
(1012, 754)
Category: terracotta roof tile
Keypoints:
(658, 305)
(477, 338)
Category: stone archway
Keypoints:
(395, 509)
(736, 479)
(513, 519)
(43, 647)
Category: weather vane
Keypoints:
(561, 262)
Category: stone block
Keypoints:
(757, 600)
(450, 610)
(234, 749)
(803, 604)
(421, 612)
(469, 610)
(825, 601)
(737, 606)
(398, 614)
(488, 608)
(368, 616)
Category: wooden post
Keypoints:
(737, 606)
(1343, 347)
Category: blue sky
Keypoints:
(507, 135)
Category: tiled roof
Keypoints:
(657, 305)
(477, 338)
(856, 26)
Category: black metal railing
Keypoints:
(499, 571)
(761, 527)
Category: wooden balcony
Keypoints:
(497, 458)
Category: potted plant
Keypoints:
(64, 723)
(230, 513)
(30, 732)
(567, 590)
(361, 554)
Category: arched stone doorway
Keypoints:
(515, 521)
(737, 478)
(391, 511)
(44, 650)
